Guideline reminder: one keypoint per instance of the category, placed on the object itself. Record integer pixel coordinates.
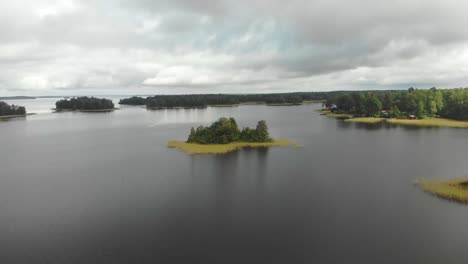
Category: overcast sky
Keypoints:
(77, 47)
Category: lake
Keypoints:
(104, 188)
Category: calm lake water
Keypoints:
(103, 188)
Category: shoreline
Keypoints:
(426, 122)
(455, 189)
(16, 116)
(194, 148)
(84, 111)
(229, 105)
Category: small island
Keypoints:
(11, 111)
(85, 104)
(450, 189)
(224, 136)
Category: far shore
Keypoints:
(85, 111)
(233, 105)
(193, 148)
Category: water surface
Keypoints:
(103, 188)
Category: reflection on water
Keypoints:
(104, 188)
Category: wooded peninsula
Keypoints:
(410, 104)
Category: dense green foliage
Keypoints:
(451, 103)
(84, 103)
(7, 110)
(203, 100)
(226, 131)
(135, 100)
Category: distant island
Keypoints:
(224, 136)
(433, 107)
(204, 100)
(17, 98)
(85, 104)
(10, 111)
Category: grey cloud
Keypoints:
(207, 45)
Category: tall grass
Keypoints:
(427, 122)
(450, 189)
(193, 148)
(367, 120)
(430, 122)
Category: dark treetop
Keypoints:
(6, 109)
(84, 103)
(450, 103)
(226, 131)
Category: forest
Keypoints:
(225, 131)
(450, 103)
(203, 100)
(84, 103)
(9, 110)
(135, 100)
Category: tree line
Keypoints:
(6, 109)
(451, 103)
(225, 131)
(84, 103)
(203, 100)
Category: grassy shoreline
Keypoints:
(367, 120)
(192, 148)
(85, 111)
(449, 189)
(427, 122)
(16, 116)
(430, 122)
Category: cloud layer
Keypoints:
(202, 46)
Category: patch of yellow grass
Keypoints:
(367, 120)
(339, 116)
(451, 189)
(429, 122)
(193, 148)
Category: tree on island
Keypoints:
(225, 131)
(84, 103)
(7, 110)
